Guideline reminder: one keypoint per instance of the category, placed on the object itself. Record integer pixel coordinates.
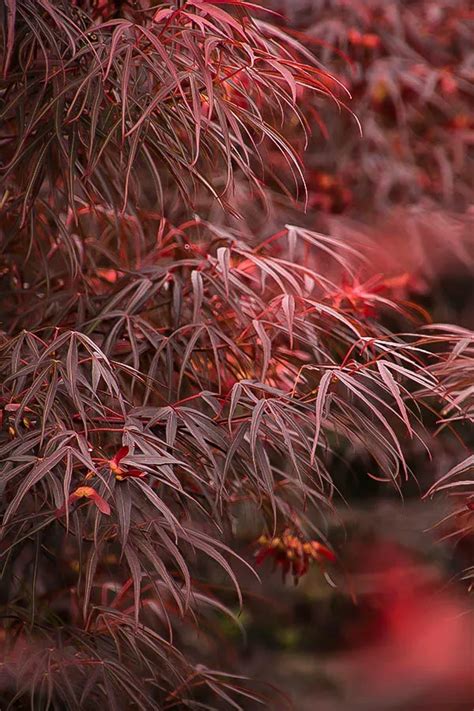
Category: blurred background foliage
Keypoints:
(403, 193)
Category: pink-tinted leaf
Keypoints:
(389, 381)
(266, 346)
(288, 305)
(321, 396)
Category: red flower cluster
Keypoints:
(292, 554)
(118, 470)
(88, 492)
(361, 298)
(369, 40)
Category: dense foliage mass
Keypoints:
(162, 361)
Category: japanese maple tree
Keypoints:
(159, 361)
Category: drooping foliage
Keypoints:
(160, 364)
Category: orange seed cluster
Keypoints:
(291, 553)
